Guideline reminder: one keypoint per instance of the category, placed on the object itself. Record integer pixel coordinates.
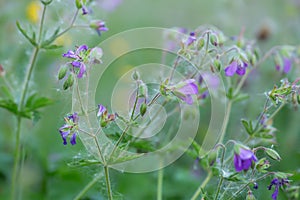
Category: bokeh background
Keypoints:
(46, 174)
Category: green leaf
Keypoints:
(83, 162)
(47, 42)
(31, 40)
(282, 175)
(53, 46)
(248, 126)
(230, 176)
(6, 92)
(9, 105)
(34, 102)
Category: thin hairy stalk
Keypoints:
(135, 102)
(202, 186)
(108, 185)
(87, 188)
(15, 185)
(160, 184)
(70, 26)
(119, 141)
(174, 68)
(247, 184)
(225, 122)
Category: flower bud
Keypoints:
(78, 4)
(143, 109)
(135, 75)
(62, 72)
(250, 196)
(46, 2)
(213, 39)
(2, 71)
(273, 154)
(69, 82)
(200, 43)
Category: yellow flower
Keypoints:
(33, 11)
(64, 40)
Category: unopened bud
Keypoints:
(143, 109)
(62, 72)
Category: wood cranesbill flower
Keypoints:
(277, 183)
(79, 57)
(99, 26)
(243, 157)
(287, 65)
(236, 67)
(104, 116)
(184, 90)
(70, 128)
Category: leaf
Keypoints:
(53, 46)
(31, 40)
(83, 162)
(47, 42)
(34, 102)
(9, 105)
(282, 175)
(6, 92)
(248, 126)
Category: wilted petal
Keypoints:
(275, 193)
(231, 69)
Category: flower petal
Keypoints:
(237, 163)
(231, 69)
(73, 139)
(287, 65)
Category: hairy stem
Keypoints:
(107, 179)
(160, 184)
(87, 188)
(225, 122)
(15, 185)
(204, 183)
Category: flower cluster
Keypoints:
(104, 116)
(277, 183)
(70, 128)
(183, 90)
(78, 58)
(236, 67)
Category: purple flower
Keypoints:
(185, 89)
(99, 26)
(85, 10)
(191, 39)
(69, 129)
(235, 67)
(277, 183)
(104, 116)
(243, 157)
(101, 110)
(78, 57)
(287, 65)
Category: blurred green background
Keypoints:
(46, 174)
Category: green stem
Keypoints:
(135, 102)
(160, 184)
(87, 188)
(119, 141)
(107, 179)
(16, 166)
(18, 150)
(204, 183)
(225, 122)
(219, 188)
